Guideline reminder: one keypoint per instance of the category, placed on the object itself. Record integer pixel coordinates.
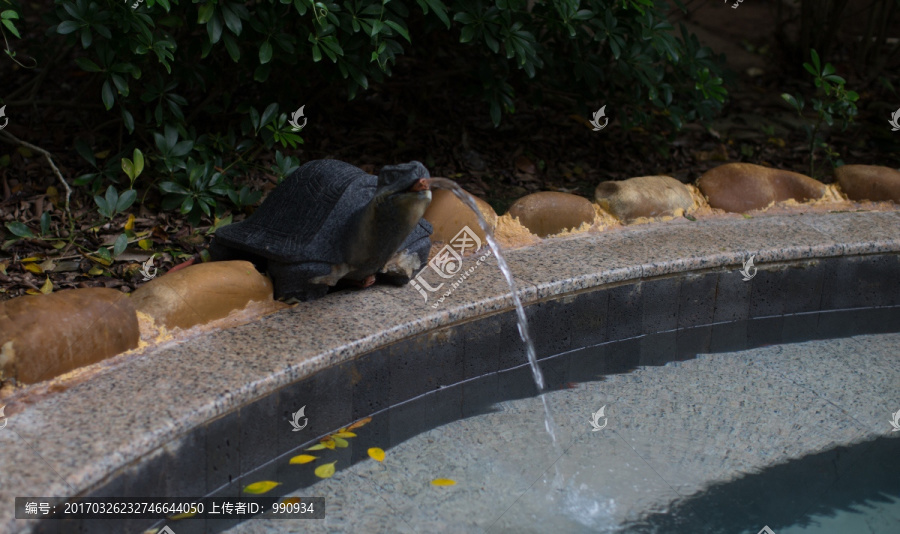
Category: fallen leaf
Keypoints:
(316, 447)
(145, 244)
(524, 164)
(344, 434)
(329, 443)
(303, 459)
(53, 195)
(325, 471)
(359, 423)
(129, 225)
(31, 258)
(443, 482)
(96, 270)
(376, 454)
(33, 268)
(47, 288)
(340, 442)
(258, 488)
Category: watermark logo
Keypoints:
(735, 6)
(3, 417)
(147, 265)
(894, 122)
(166, 530)
(133, 7)
(749, 270)
(448, 263)
(894, 423)
(596, 417)
(4, 117)
(766, 530)
(296, 115)
(296, 422)
(600, 114)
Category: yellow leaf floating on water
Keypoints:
(344, 434)
(342, 443)
(443, 482)
(325, 471)
(357, 424)
(303, 459)
(329, 443)
(316, 447)
(258, 488)
(376, 454)
(47, 288)
(33, 268)
(180, 516)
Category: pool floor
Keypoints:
(671, 433)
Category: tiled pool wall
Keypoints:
(647, 321)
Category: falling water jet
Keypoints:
(443, 183)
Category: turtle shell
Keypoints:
(305, 218)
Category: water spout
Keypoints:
(443, 183)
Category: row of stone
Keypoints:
(42, 337)
(734, 187)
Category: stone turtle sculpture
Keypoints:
(330, 221)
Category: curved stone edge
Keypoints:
(87, 432)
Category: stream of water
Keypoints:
(466, 199)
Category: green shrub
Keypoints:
(836, 102)
(193, 76)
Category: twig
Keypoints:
(11, 138)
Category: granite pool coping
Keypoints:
(68, 443)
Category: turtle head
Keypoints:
(403, 190)
(401, 196)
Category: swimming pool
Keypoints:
(727, 442)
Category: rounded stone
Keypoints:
(550, 212)
(644, 196)
(448, 216)
(869, 182)
(201, 293)
(742, 187)
(44, 336)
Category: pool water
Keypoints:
(795, 437)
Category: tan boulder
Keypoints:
(644, 196)
(869, 182)
(202, 293)
(44, 336)
(550, 212)
(448, 215)
(742, 187)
